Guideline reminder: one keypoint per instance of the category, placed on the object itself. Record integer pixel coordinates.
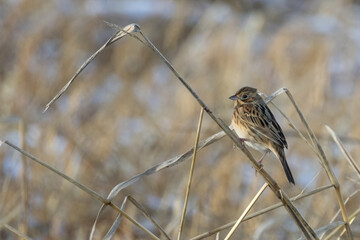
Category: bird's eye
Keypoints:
(243, 97)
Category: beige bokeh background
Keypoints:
(126, 111)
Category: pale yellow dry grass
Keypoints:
(126, 112)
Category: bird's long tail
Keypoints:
(285, 165)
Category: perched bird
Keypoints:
(255, 125)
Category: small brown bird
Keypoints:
(255, 124)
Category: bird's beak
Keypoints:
(234, 97)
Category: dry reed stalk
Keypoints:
(16, 232)
(69, 179)
(109, 235)
(165, 164)
(260, 212)
(115, 224)
(158, 167)
(328, 227)
(322, 157)
(217, 236)
(148, 216)
(15, 212)
(241, 218)
(82, 187)
(338, 212)
(24, 180)
(192, 167)
(10, 216)
(347, 155)
(325, 164)
(128, 30)
(352, 218)
(136, 223)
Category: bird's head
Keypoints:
(246, 95)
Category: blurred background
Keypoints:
(127, 112)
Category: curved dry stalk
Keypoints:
(166, 164)
(158, 167)
(325, 163)
(128, 30)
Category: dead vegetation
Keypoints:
(127, 112)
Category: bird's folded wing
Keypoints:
(259, 118)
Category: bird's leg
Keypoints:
(241, 140)
(262, 158)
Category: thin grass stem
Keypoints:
(236, 225)
(261, 212)
(24, 180)
(16, 232)
(188, 187)
(325, 164)
(82, 187)
(148, 216)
